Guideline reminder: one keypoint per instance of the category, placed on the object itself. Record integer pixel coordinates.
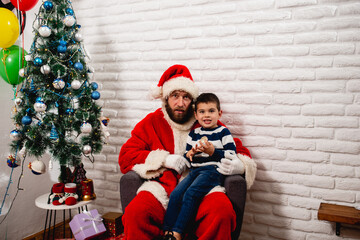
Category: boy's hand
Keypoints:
(191, 153)
(205, 147)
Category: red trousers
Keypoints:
(144, 217)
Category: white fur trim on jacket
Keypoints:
(157, 190)
(250, 169)
(153, 166)
(217, 189)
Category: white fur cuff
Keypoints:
(157, 190)
(153, 166)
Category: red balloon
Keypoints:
(24, 5)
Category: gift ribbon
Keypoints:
(93, 220)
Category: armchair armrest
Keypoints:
(236, 190)
(129, 184)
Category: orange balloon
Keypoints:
(9, 28)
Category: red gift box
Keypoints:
(113, 224)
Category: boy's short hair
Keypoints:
(206, 98)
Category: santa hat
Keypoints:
(176, 77)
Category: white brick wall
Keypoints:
(287, 73)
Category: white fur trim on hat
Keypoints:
(157, 190)
(152, 167)
(180, 83)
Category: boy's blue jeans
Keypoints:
(187, 195)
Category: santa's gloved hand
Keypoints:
(176, 162)
(231, 165)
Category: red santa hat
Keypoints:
(176, 77)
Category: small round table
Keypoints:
(42, 202)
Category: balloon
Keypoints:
(9, 28)
(10, 64)
(24, 5)
(21, 15)
(7, 5)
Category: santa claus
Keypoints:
(155, 151)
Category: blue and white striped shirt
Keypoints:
(220, 137)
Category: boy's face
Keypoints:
(207, 114)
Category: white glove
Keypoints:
(230, 165)
(176, 162)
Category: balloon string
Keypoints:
(3, 60)
(23, 45)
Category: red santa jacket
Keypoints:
(151, 141)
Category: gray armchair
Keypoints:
(235, 186)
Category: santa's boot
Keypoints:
(57, 193)
(70, 197)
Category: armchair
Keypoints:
(235, 186)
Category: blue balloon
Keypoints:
(95, 95)
(26, 120)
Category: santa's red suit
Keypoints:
(152, 140)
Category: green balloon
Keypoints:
(11, 61)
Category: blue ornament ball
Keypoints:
(94, 85)
(26, 120)
(61, 49)
(95, 95)
(69, 111)
(48, 5)
(78, 66)
(63, 43)
(38, 61)
(15, 135)
(69, 11)
(12, 162)
(39, 99)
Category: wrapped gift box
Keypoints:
(87, 225)
(113, 224)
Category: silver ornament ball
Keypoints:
(86, 127)
(86, 149)
(22, 72)
(69, 20)
(44, 31)
(75, 84)
(18, 101)
(28, 58)
(78, 37)
(45, 69)
(15, 135)
(58, 83)
(40, 106)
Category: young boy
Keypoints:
(206, 146)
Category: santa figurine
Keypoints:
(70, 197)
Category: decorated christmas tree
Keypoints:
(56, 110)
